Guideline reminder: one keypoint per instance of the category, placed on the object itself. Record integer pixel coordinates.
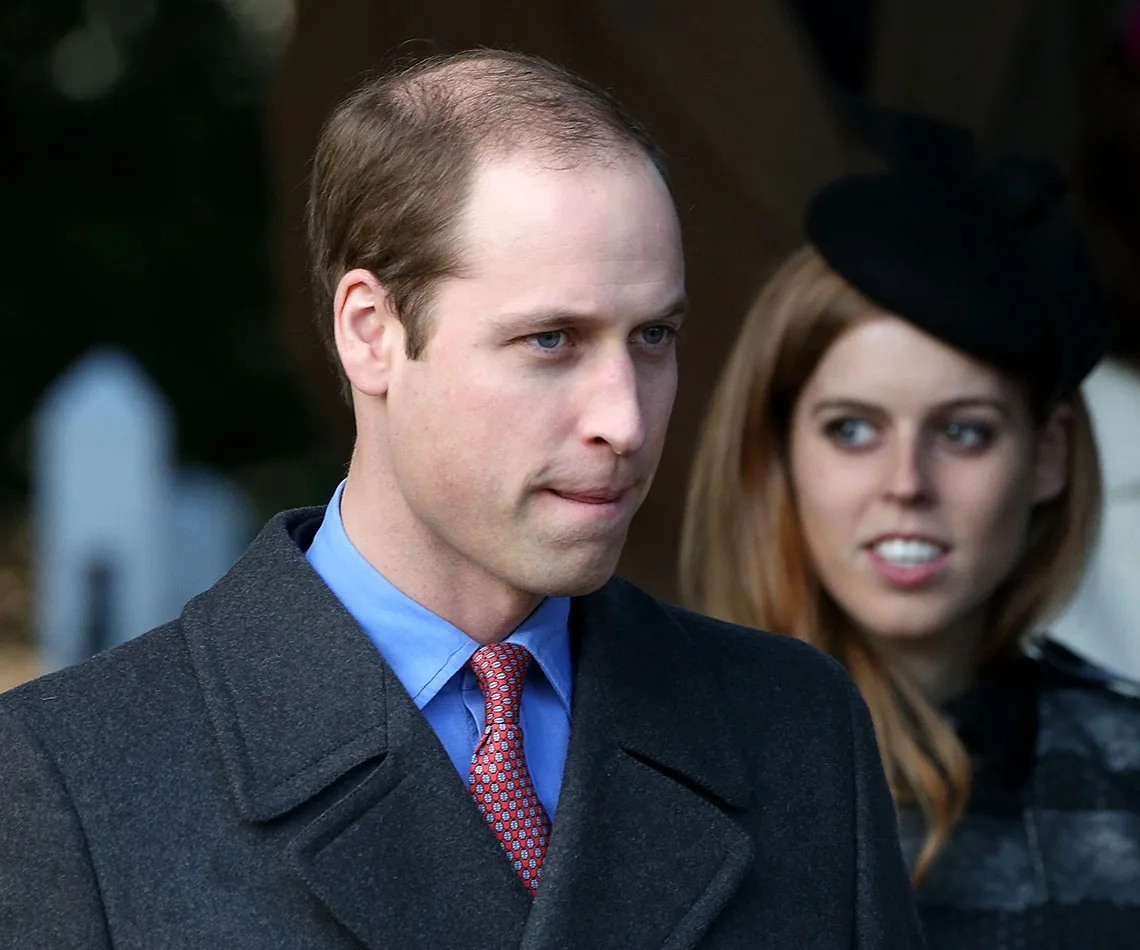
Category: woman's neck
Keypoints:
(941, 664)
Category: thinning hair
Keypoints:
(395, 163)
(744, 557)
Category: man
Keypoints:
(427, 716)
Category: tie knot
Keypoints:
(500, 669)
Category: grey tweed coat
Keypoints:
(254, 776)
(1047, 853)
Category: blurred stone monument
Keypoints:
(122, 538)
(210, 523)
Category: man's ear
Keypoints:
(369, 334)
(1051, 472)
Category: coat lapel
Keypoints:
(644, 851)
(406, 860)
(322, 746)
(324, 749)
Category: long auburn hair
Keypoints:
(744, 558)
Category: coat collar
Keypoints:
(660, 690)
(294, 689)
(996, 719)
(644, 850)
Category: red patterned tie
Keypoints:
(500, 781)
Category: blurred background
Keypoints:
(157, 332)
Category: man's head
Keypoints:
(504, 310)
(397, 159)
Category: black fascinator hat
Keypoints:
(985, 256)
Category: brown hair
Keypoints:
(744, 559)
(395, 162)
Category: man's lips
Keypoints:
(591, 496)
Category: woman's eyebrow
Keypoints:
(851, 404)
(846, 404)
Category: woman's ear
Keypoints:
(1051, 471)
(368, 333)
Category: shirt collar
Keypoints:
(423, 649)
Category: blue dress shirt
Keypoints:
(429, 656)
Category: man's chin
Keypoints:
(577, 579)
(580, 587)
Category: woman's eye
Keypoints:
(850, 432)
(968, 435)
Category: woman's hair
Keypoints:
(744, 558)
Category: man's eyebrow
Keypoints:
(547, 318)
(678, 308)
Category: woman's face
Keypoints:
(915, 470)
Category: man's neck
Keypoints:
(385, 533)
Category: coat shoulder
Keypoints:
(757, 672)
(760, 656)
(137, 680)
(773, 683)
(1066, 669)
(1090, 713)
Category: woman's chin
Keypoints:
(912, 624)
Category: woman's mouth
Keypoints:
(906, 560)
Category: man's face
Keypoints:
(528, 432)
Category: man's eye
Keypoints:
(548, 339)
(850, 432)
(657, 334)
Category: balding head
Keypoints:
(396, 160)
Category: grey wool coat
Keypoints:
(254, 776)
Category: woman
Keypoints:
(898, 468)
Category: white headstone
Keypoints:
(103, 445)
(211, 524)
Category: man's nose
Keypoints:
(614, 414)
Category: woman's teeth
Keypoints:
(907, 552)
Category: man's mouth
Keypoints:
(592, 496)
